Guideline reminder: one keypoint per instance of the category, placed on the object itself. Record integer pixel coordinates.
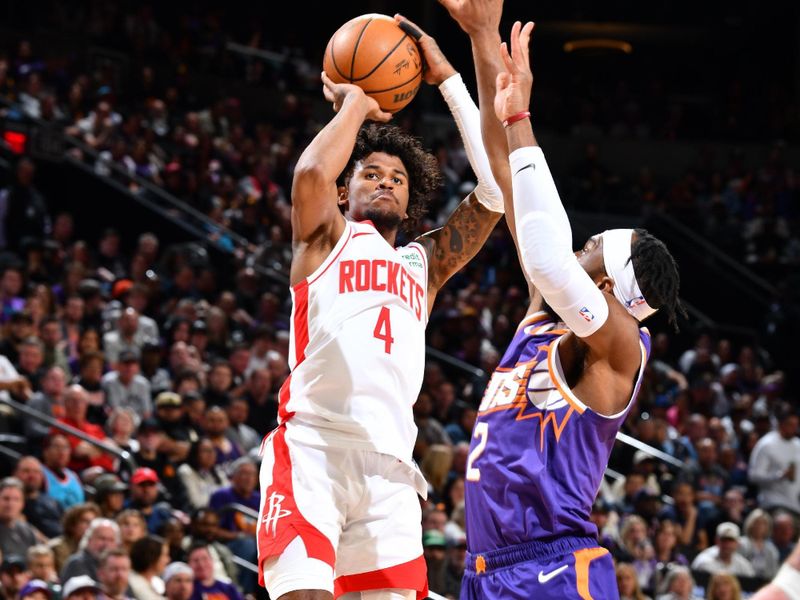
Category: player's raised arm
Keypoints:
(543, 230)
(316, 219)
(450, 247)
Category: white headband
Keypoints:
(616, 256)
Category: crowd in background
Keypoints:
(151, 349)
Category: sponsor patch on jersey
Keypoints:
(412, 259)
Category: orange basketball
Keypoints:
(372, 52)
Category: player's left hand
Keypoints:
(514, 84)
(435, 66)
(336, 93)
(475, 16)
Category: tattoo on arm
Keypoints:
(464, 234)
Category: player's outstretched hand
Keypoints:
(336, 93)
(435, 66)
(514, 83)
(474, 16)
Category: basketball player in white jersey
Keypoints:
(340, 514)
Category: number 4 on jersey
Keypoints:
(383, 330)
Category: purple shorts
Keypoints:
(562, 569)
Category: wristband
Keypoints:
(517, 117)
(788, 579)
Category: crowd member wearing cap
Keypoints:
(723, 556)
(81, 587)
(109, 494)
(16, 534)
(151, 455)
(13, 575)
(113, 574)
(144, 498)
(125, 387)
(205, 584)
(179, 581)
(200, 474)
(41, 511)
(84, 454)
(19, 327)
(101, 536)
(35, 589)
(178, 435)
(434, 549)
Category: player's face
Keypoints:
(590, 257)
(378, 191)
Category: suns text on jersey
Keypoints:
(380, 275)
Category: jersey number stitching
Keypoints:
(481, 431)
(383, 330)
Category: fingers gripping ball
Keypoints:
(372, 52)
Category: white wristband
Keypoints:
(468, 121)
(788, 579)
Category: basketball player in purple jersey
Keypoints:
(550, 414)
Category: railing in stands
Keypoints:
(122, 455)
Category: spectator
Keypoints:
(678, 585)
(102, 535)
(434, 549)
(241, 434)
(784, 585)
(200, 474)
(84, 454)
(179, 581)
(132, 527)
(114, 573)
(220, 380)
(178, 434)
(13, 576)
(666, 553)
(121, 426)
(55, 354)
(628, 584)
(174, 531)
(35, 589)
(80, 587)
(62, 484)
(109, 494)
(19, 324)
(205, 584)
(24, 209)
(205, 530)
(784, 527)
(16, 535)
(41, 511)
(30, 364)
(42, 565)
(49, 401)
(723, 556)
(775, 464)
(152, 371)
(125, 387)
(76, 521)
(263, 404)
(149, 558)
(756, 546)
(635, 547)
(151, 441)
(215, 424)
(724, 586)
(708, 479)
(144, 498)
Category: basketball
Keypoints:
(372, 52)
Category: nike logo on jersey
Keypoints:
(545, 578)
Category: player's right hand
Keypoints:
(336, 93)
(513, 86)
(436, 68)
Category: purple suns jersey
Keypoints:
(537, 454)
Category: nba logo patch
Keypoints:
(586, 314)
(635, 301)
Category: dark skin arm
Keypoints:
(600, 368)
(452, 246)
(317, 222)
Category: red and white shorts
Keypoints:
(337, 519)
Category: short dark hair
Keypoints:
(145, 552)
(657, 275)
(424, 176)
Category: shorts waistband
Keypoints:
(536, 550)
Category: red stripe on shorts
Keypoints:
(280, 519)
(411, 575)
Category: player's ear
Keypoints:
(606, 284)
(343, 198)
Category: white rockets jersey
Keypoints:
(357, 349)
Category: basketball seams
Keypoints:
(355, 50)
(383, 60)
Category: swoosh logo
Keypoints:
(545, 578)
